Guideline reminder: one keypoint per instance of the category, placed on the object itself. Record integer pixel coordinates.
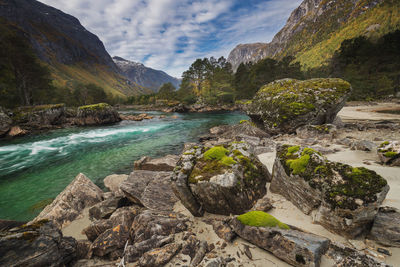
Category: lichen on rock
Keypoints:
(284, 105)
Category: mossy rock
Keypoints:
(100, 106)
(261, 219)
(340, 184)
(389, 153)
(284, 105)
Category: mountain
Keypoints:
(316, 29)
(144, 76)
(73, 54)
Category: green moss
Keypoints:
(216, 153)
(390, 154)
(293, 149)
(299, 165)
(188, 153)
(384, 144)
(99, 106)
(228, 161)
(260, 219)
(243, 121)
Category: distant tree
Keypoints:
(167, 91)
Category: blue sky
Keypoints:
(169, 35)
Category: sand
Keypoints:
(368, 112)
(74, 229)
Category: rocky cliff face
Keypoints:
(144, 76)
(310, 24)
(73, 53)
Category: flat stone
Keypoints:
(166, 163)
(112, 182)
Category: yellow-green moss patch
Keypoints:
(261, 219)
(99, 106)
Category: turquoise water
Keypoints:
(34, 169)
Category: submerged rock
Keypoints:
(284, 105)
(389, 153)
(5, 122)
(36, 244)
(97, 114)
(150, 189)
(166, 163)
(343, 199)
(386, 228)
(292, 246)
(222, 179)
(68, 205)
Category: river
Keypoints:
(35, 169)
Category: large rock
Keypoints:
(386, 228)
(159, 256)
(96, 228)
(68, 205)
(166, 163)
(347, 257)
(135, 251)
(292, 246)
(150, 223)
(389, 153)
(36, 244)
(112, 182)
(343, 199)
(221, 180)
(150, 189)
(104, 209)
(5, 122)
(40, 116)
(284, 105)
(110, 243)
(97, 114)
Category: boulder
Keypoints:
(160, 256)
(389, 153)
(135, 251)
(36, 244)
(125, 215)
(68, 205)
(17, 131)
(221, 180)
(284, 105)
(386, 227)
(223, 230)
(104, 209)
(97, 114)
(150, 189)
(40, 116)
(347, 257)
(292, 246)
(363, 145)
(150, 223)
(166, 163)
(5, 122)
(110, 243)
(112, 182)
(343, 199)
(325, 131)
(96, 228)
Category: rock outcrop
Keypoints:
(386, 228)
(221, 180)
(292, 246)
(343, 199)
(68, 205)
(285, 105)
(97, 114)
(166, 163)
(5, 122)
(150, 189)
(389, 153)
(36, 244)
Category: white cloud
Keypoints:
(169, 34)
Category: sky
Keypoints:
(170, 35)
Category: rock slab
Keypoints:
(386, 228)
(68, 205)
(292, 246)
(166, 163)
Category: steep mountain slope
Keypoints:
(144, 76)
(73, 54)
(315, 30)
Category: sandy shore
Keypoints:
(369, 113)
